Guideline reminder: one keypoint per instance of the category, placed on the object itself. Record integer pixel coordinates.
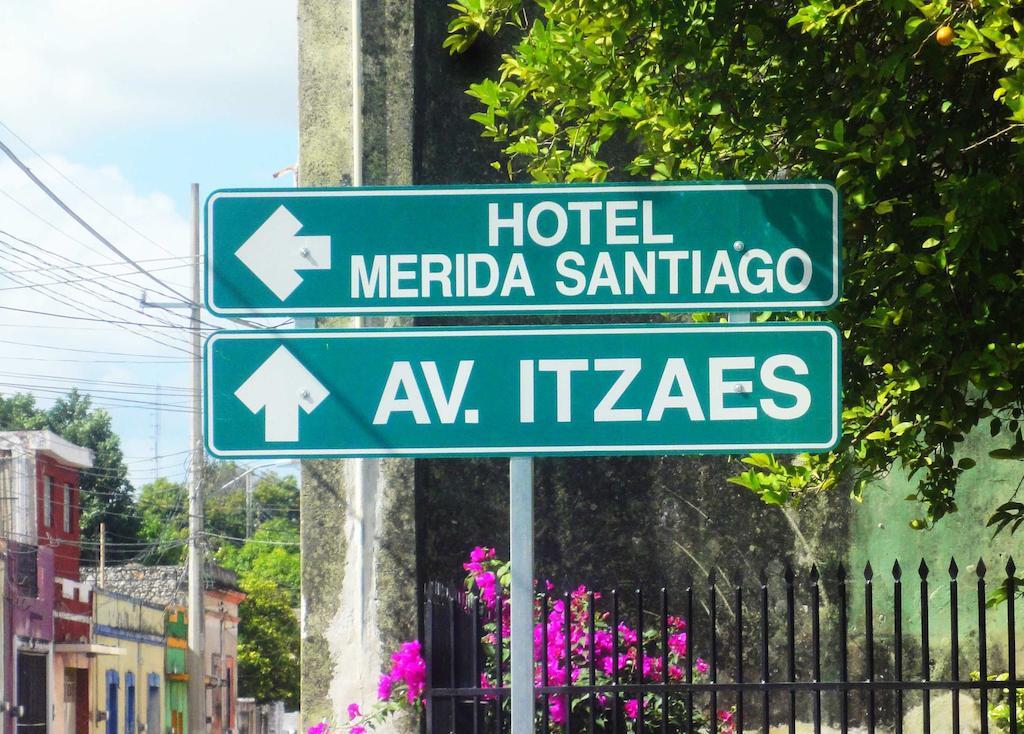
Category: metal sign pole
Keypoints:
(520, 476)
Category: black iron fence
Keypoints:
(783, 652)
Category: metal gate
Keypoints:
(804, 652)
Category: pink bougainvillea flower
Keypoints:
(353, 711)
(558, 710)
(384, 687)
(486, 682)
(702, 666)
(320, 728)
(652, 668)
(676, 623)
(632, 708)
(481, 553)
(408, 666)
(486, 582)
(677, 643)
(728, 723)
(357, 730)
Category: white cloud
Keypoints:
(74, 69)
(75, 74)
(122, 365)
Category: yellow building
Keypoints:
(155, 595)
(128, 690)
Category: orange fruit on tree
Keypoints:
(944, 36)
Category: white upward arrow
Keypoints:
(281, 385)
(275, 252)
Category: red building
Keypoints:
(47, 614)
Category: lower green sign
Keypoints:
(500, 391)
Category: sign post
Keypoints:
(520, 506)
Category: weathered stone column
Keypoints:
(358, 517)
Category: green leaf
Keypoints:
(1013, 453)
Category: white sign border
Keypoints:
(444, 309)
(568, 450)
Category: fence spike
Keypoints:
(981, 568)
(897, 571)
(922, 570)
(954, 570)
(788, 574)
(869, 572)
(762, 576)
(814, 573)
(1011, 567)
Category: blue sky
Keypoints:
(130, 102)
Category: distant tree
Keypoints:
(107, 495)
(268, 643)
(19, 412)
(267, 565)
(272, 554)
(163, 509)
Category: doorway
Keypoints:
(31, 695)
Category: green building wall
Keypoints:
(176, 701)
(881, 533)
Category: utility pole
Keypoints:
(196, 614)
(103, 555)
(248, 505)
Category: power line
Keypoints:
(102, 393)
(108, 264)
(76, 380)
(84, 351)
(100, 402)
(131, 298)
(99, 361)
(44, 252)
(28, 257)
(70, 212)
(29, 325)
(253, 540)
(67, 281)
(83, 318)
(94, 200)
(54, 295)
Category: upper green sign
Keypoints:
(612, 248)
(500, 391)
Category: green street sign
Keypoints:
(615, 248)
(500, 391)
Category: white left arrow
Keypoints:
(281, 386)
(275, 253)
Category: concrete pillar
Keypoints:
(358, 517)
